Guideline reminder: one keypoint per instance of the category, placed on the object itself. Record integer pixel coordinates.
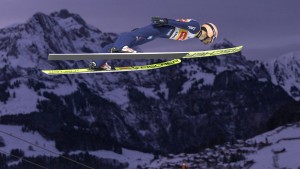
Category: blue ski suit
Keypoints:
(180, 29)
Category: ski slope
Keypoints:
(282, 138)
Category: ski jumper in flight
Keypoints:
(180, 29)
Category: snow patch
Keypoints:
(22, 100)
(68, 23)
(63, 89)
(149, 92)
(207, 78)
(134, 158)
(35, 138)
(119, 96)
(164, 89)
(195, 74)
(22, 61)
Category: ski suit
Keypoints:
(180, 29)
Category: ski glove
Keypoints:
(125, 49)
(158, 21)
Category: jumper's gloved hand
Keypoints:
(125, 49)
(158, 21)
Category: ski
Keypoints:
(117, 69)
(175, 55)
(216, 52)
(153, 55)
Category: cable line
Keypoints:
(46, 150)
(23, 159)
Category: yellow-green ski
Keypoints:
(117, 69)
(216, 52)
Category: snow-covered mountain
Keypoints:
(183, 108)
(286, 73)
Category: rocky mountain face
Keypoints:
(285, 72)
(183, 108)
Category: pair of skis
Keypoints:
(175, 56)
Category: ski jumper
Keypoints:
(180, 29)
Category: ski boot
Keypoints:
(94, 66)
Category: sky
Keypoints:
(266, 29)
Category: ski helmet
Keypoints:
(211, 31)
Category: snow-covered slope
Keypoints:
(35, 138)
(10, 136)
(282, 150)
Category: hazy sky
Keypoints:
(267, 28)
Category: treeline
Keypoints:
(56, 120)
(289, 113)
